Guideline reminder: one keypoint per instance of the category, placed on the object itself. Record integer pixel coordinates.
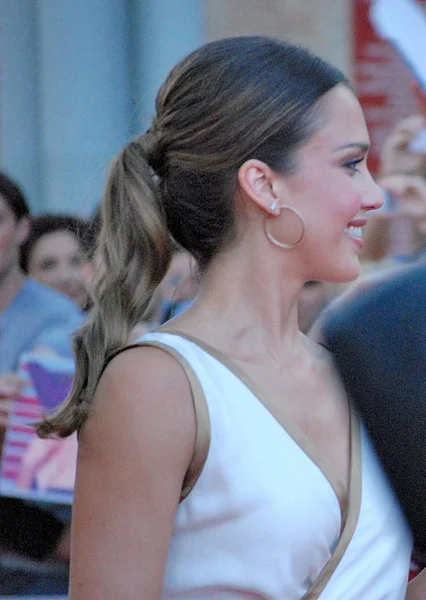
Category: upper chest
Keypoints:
(309, 403)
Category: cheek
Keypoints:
(44, 277)
(78, 272)
(5, 239)
(354, 199)
(344, 203)
(328, 200)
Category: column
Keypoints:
(164, 32)
(19, 126)
(85, 97)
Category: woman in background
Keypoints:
(55, 254)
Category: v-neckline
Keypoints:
(302, 440)
(349, 499)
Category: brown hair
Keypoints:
(230, 100)
(12, 194)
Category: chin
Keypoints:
(344, 273)
(349, 274)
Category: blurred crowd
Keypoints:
(47, 272)
(48, 266)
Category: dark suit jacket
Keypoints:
(379, 345)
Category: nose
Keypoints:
(66, 273)
(373, 196)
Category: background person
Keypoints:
(31, 316)
(378, 342)
(398, 231)
(55, 252)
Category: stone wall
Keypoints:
(324, 26)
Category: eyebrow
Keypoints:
(363, 146)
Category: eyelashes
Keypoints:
(351, 165)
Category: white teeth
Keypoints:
(354, 231)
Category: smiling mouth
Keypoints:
(355, 232)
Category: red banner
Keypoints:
(384, 83)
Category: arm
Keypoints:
(396, 156)
(10, 386)
(134, 452)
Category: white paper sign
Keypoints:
(403, 23)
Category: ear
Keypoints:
(258, 182)
(23, 229)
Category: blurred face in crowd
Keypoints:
(178, 287)
(12, 234)
(179, 284)
(57, 260)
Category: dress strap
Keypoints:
(350, 504)
(202, 420)
(351, 514)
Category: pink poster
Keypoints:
(33, 468)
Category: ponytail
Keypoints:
(134, 254)
(225, 103)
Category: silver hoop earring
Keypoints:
(274, 240)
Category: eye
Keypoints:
(47, 264)
(76, 260)
(351, 165)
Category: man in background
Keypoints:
(379, 345)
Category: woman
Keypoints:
(220, 458)
(55, 254)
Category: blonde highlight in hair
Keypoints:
(132, 262)
(227, 102)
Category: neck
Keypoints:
(11, 283)
(247, 305)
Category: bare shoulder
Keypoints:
(143, 368)
(143, 392)
(134, 452)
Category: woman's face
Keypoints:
(333, 190)
(57, 260)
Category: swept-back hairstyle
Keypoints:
(230, 100)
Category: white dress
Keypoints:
(262, 519)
